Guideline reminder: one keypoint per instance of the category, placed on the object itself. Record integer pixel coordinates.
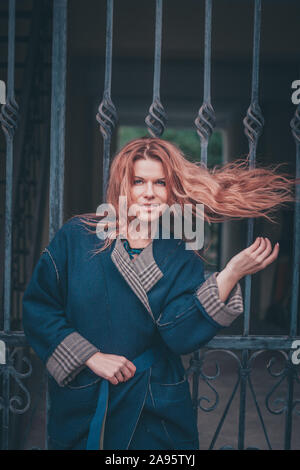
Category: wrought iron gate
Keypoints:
(244, 349)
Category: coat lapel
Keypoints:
(141, 274)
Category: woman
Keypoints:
(110, 312)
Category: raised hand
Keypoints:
(254, 258)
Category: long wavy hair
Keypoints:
(229, 192)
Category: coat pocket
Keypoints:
(71, 411)
(170, 391)
(85, 378)
(173, 404)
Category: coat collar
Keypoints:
(141, 274)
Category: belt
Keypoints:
(96, 431)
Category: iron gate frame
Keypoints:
(250, 346)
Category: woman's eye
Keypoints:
(160, 182)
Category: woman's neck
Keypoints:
(143, 239)
(138, 243)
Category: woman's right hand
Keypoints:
(111, 367)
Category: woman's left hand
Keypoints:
(253, 259)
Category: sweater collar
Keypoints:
(141, 274)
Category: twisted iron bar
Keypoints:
(206, 119)
(156, 119)
(9, 117)
(295, 125)
(254, 123)
(205, 122)
(107, 116)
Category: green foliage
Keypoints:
(186, 139)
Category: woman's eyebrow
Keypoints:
(162, 178)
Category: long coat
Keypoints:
(150, 310)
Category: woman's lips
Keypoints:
(149, 207)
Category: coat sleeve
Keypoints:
(48, 331)
(192, 313)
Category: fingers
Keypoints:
(113, 380)
(254, 245)
(263, 249)
(130, 366)
(259, 246)
(124, 371)
(119, 377)
(272, 256)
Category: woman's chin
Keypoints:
(148, 218)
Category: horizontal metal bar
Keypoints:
(252, 342)
(226, 342)
(16, 338)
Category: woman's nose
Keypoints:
(149, 189)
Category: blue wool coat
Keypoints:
(148, 310)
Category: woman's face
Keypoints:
(148, 190)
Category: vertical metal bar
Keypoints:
(9, 123)
(58, 104)
(107, 114)
(295, 125)
(289, 407)
(205, 123)
(206, 119)
(253, 128)
(57, 131)
(157, 54)
(156, 119)
(8, 118)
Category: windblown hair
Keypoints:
(231, 192)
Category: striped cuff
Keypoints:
(222, 313)
(69, 357)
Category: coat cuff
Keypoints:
(69, 357)
(220, 312)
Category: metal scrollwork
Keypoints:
(197, 366)
(17, 403)
(287, 371)
(283, 375)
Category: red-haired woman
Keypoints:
(110, 312)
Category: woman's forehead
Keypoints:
(148, 167)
